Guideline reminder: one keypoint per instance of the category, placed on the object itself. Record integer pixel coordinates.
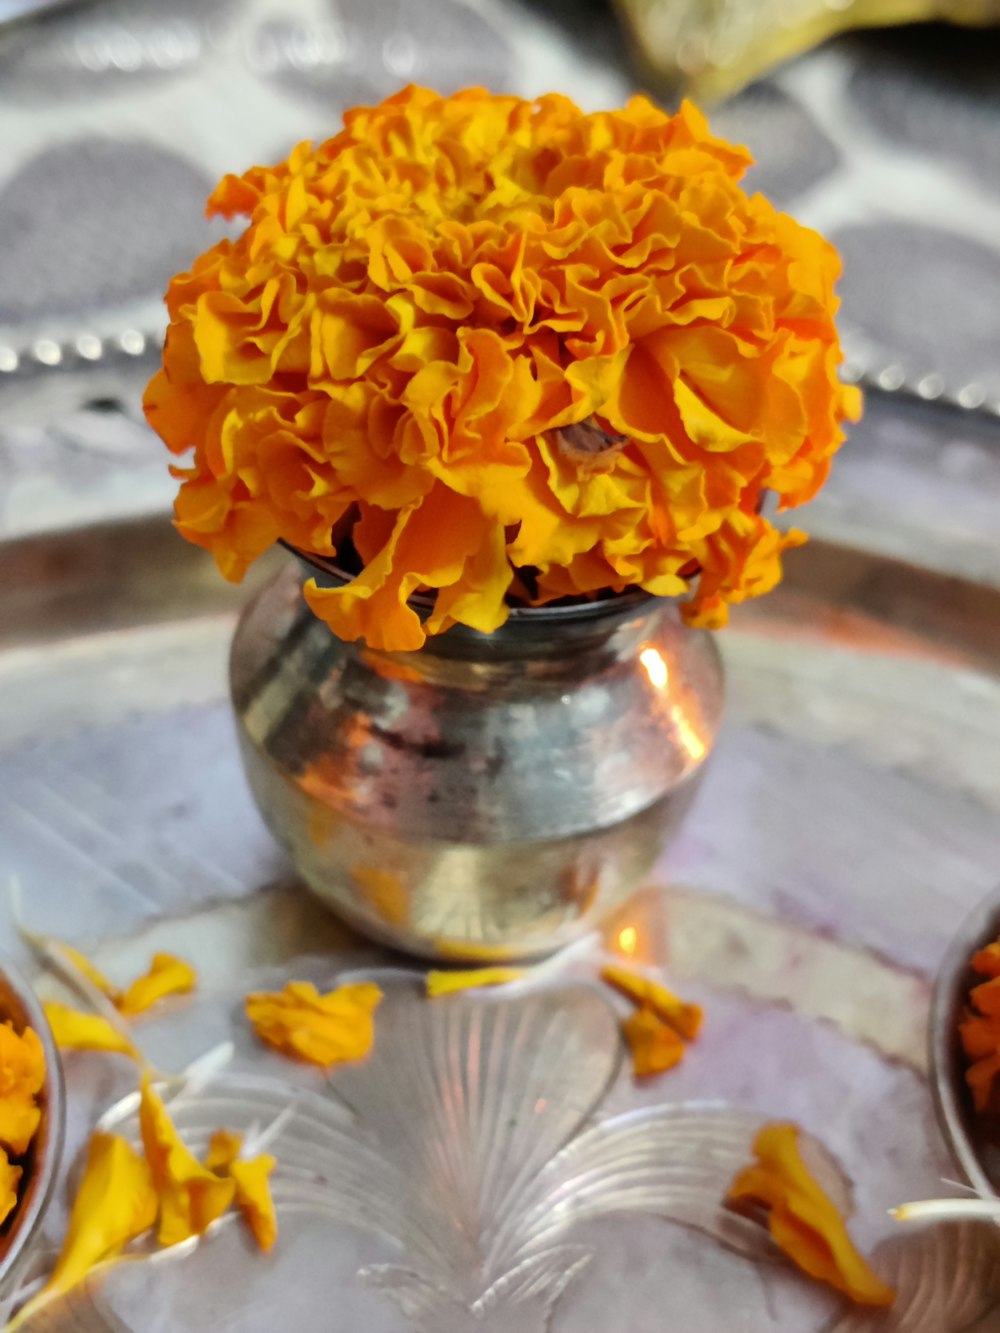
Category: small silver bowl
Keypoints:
(19, 1005)
(974, 1139)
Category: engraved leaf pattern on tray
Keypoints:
(469, 1138)
(947, 1280)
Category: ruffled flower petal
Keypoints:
(802, 1220)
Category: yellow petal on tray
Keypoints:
(250, 1177)
(655, 1046)
(446, 983)
(321, 1029)
(803, 1221)
(684, 1018)
(223, 1149)
(10, 1177)
(86, 968)
(115, 1203)
(253, 1197)
(191, 1196)
(22, 1074)
(75, 1030)
(167, 975)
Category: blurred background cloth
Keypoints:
(118, 116)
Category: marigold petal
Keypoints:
(323, 1030)
(223, 1149)
(10, 1177)
(446, 983)
(191, 1197)
(79, 1030)
(987, 961)
(167, 975)
(655, 1045)
(22, 1075)
(684, 1018)
(253, 1197)
(803, 1221)
(115, 1203)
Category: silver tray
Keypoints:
(850, 817)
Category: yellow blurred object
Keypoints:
(709, 49)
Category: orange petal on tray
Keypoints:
(655, 1046)
(22, 1075)
(167, 975)
(191, 1196)
(447, 983)
(76, 1030)
(802, 1220)
(320, 1029)
(684, 1018)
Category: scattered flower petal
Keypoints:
(684, 1018)
(253, 1197)
(250, 1176)
(115, 1203)
(167, 975)
(22, 1076)
(802, 1220)
(191, 1196)
(85, 967)
(446, 983)
(518, 339)
(76, 1030)
(655, 1045)
(223, 1149)
(321, 1029)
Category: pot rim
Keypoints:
(633, 599)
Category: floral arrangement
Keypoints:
(506, 352)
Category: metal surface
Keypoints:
(42, 1162)
(490, 795)
(850, 816)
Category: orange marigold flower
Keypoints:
(322, 1029)
(979, 1030)
(503, 336)
(802, 1220)
(447, 983)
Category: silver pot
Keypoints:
(490, 795)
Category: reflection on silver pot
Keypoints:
(489, 796)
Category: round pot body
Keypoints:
(490, 796)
